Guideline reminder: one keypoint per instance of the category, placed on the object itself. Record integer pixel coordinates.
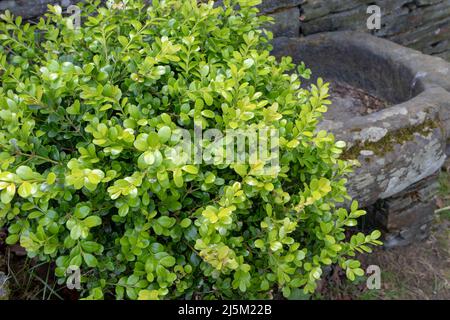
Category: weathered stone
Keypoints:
(269, 6)
(413, 23)
(314, 9)
(406, 217)
(444, 55)
(4, 288)
(30, 9)
(287, 23)
(399, 146)
(364, 61)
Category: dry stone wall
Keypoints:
(420, 24)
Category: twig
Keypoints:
(442, 210)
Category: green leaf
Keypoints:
(351, 223)
(123, 41)
(354, 206)
(208, 99)
(132, 280)
(25, 173)
(178, 178)
(359, 272)
(350, 274)
(90, 260)
(185, 223)
(92, 221)
(199, 103)
(8, 194)
(123, 210)
(25, 189)
(286, 292)
(164, 134)
(76, 261)
(90, 246)
(265, 285)
(210, 178)
(153, 139)
(259, 244)
(12, 239)
(75, 232)
(297, 282)
(168, 261)
(166, 118)
(208, 114)
(190, 169)
(95, 176)
(166, 222)
(74, 109)
(82, 212)
(276, 245)
(148, 295)
(248, 63)
(241, 169)
(375, 235)
(141, 142)
(51, 178)
(210, 213)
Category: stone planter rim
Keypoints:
(429, 70)
(426, 106)
(406, 161)
(431, 73)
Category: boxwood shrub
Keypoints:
(88, 114)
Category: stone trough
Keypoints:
(391, 105)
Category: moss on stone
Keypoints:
(355, 130)
(387, 143)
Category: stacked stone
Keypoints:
(407, 216)
(420, 24)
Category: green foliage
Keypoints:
(87, 116)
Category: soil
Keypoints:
(349, 101)
(417, 272)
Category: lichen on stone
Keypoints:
(386, 144)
